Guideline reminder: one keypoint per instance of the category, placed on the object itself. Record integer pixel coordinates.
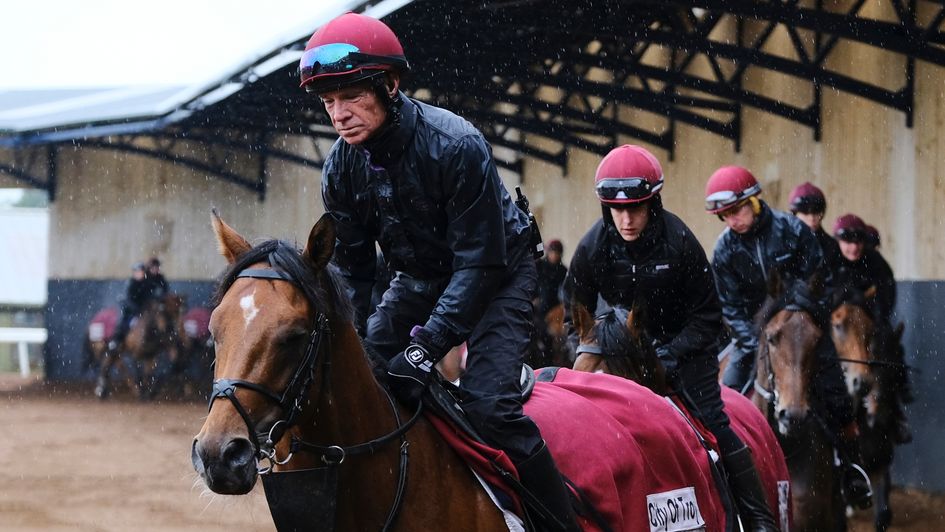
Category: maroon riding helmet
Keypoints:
(628, 174)
(350, 49)
(808, 199)
(729, 186)
(850, 228)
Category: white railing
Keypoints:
(21, 336)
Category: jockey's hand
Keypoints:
(410, 370)
(670, 365)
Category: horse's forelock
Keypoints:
(325, 290)
(613, 336)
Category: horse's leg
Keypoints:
(101, 384)
(881, 488)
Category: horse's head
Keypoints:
(271, 308)
(617, 343)
(790, 331)
(852, 329)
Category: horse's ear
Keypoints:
(775, 284)
(870, 292)
(229, 242)
(636, 318)
(583, 321)
(321, 243)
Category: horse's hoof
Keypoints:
(101, 391)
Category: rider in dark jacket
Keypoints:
(758, 241)
(146, 284)
(639, 253)
(809, 204)
(422, 183)
(551, 274)
(862, 268)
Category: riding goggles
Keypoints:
(809, 205)
(632, 189)
(341, 58)
(724, 199)
(850, 235)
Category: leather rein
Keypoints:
(291, 400)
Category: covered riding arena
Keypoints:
(847, 94)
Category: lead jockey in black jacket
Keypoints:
(639, 253)
(758, 241)
(421, 182)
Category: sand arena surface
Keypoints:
(70, 462)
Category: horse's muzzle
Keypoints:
(791, 418)
(227, 469)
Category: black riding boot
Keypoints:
(857, 490)
(540, 476)
(748, 492)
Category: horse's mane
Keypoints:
(795, 295)
(325, 290)
(614, 338)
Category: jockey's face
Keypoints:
(812, 220)
(739, 218)
(553, 256)
(852, 251)
(356, 112)
(631, 220)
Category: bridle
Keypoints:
(290, 401)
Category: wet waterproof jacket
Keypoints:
(550, 279)
(427, 191)
(665, 269)
(831, 250)
(742, 263)
(871, 270)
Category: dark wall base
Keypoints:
(71, 306)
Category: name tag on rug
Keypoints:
(674, 511)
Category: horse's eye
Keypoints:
(773, 339)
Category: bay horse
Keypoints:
(790, 328)
(869, 364)
(549, 347)
(294, 388)
(149, 351)
(617, 343)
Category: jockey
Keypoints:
(551, 274)
(137, 294)
(809, 204)
(638, 252)
(157, 284)
(422, 183)
(759, 240)
(862, 268)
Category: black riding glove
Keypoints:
(410, 371)
(670, 365)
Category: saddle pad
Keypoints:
(197, 323)
(634, 457)
(103, 324)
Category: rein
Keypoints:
(290, 402)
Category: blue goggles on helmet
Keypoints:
(341, 58)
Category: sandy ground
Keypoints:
(70, 462)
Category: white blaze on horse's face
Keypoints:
(248, 304)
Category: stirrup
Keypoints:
(864, 500)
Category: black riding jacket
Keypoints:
(550, 279)
(665, 268)
(830, 249)
(426, 189)
(871, 270)
(742, 263)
